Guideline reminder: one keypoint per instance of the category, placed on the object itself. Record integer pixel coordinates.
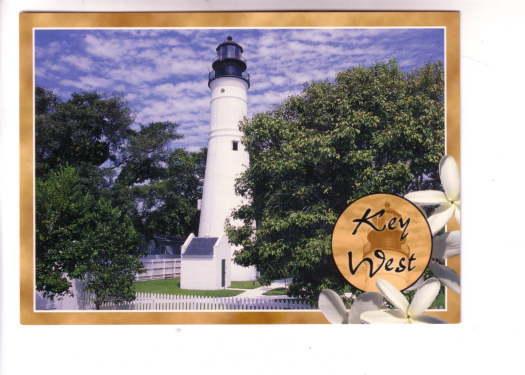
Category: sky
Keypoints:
(163, 73)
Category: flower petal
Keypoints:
(446, 275)
(438, 246)
(392, 295)
(449, 175)
(457, 212)
(427, 319)
(440, 217)
(446, 245)
(333, 308)
(424, 297)
(427, 197)
(384, 316)
(452, 244)
(368, 301)
(416, 285)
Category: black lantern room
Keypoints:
(229, 62)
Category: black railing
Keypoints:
(244, 75)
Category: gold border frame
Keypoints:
(28, 21)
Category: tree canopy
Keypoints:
(105, 185)
(79, 236)
(86, 130)
(167, 204)
(373, 129)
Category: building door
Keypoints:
(223, 273)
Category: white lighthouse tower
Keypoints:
(226, 159)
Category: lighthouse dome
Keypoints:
(229, 62)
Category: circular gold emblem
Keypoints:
(381, 236)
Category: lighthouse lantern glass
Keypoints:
(229, 51)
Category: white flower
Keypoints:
(404, 311)
(334, 309)
(445, 245)
(449, 203)
(368, 301)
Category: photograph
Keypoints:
(204, 169)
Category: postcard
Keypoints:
(240, 167)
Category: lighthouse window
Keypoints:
(235, 145)
(222, 90)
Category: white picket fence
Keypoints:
(169, 302)
(155, 269)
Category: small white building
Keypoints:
(205, 263)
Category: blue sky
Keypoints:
(163, 74)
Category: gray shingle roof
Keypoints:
(201, 247)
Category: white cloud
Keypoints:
(116, 48)
(131, 96)
(135, 74)
(278, 80)
(163, 68)
(181, 109)
(87, 82)
(49, 50)
(79, 62)
(148, 54)
(188, 88)
(108, 48)
(268, 100)
(186, 67)
(163, 73)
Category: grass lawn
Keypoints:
(276, 292)
(245, 284)
(172, 286)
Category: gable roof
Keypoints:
(200, 247)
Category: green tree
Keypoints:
(114, 255)
(85, 131)
(102, 183)
(139, 170)
(373, 129)
(169, 205)
(62, 202)
(147, 152)
(82, 237)
(160, 185)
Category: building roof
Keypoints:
(201, 247)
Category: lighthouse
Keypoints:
(226, 160)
